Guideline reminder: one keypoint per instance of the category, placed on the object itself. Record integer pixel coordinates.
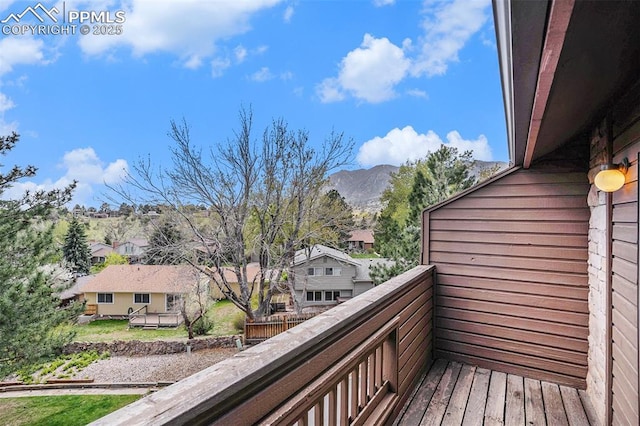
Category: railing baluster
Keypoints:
(379, 355)
(319, 413)
(363, 385)
(353, 389)
(344, 401)
(333, 406)
(372, 374)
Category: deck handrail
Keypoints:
(262, 381)
(137, 311)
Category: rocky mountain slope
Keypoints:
(362, 188)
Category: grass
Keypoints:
(63, 367)
(222, 314)
(110, 330)
(66, 410)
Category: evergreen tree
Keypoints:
(165, 245)
(334, 206)
(441, 175)
(29, 314)
(75, 248)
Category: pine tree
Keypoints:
(441, 175)
(29, 314)
(165, 245)
(75, 249)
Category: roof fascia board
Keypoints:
(559, 17)
(502, 19)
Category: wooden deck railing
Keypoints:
(354, 364)
(259, 331)
(364, 382)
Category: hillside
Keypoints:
(362, 188)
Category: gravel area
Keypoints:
(153, 368)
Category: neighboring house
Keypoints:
(119, 290)
(99, 252)
(75, 293)
(133, 249)
(326, 276)
(361, 240)
(253, 269)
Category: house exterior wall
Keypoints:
(511, 264)
(123, 301)
(342, 283)
(361, 287)
(217, 294)
(613, 270)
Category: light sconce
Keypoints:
(611, 177)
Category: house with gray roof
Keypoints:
(326, 276)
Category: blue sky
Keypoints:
(399, 77)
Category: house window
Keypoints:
(314, 271)
(141, 298)
(174, 302)
(105, 297)
(314, 296)
(332, 272)
(331, 295)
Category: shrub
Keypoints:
(202, 326)
(238, 321)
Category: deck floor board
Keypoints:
(451, 393)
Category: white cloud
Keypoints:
(401, 145)
(369, 72)
(287, 75)
(264, 74)
(380, 3)
(20, 51)
(189, 29)
(330, 91)
(82, 165)
(5, 103)
(218, 66)
(448, 26)
(372, 71)
(241, 53)
(288, 14)
(417, 93)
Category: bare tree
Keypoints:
(260, 198)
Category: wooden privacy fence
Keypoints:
(261, 330)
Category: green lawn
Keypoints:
(222, 315)
(109, 330)
(67, 410)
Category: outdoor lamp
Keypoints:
(611, 177)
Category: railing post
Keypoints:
(390, 360)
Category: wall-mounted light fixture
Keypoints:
(611, 177)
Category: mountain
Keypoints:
(362, 188)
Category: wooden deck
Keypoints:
(451, 393)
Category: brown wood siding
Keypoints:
(512, 286)
(624, 277)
